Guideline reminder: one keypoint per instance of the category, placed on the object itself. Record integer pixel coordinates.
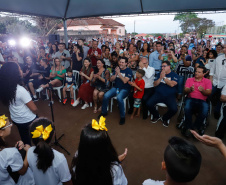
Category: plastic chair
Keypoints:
(126, 98)
(157, 107)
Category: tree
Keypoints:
(183, 17)
(198, 25)
(134, 33)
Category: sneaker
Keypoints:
(35, 99)
(155, 120)
(122, 121)
(75, 103)
(85, 106)
(51, 102)
(72, 101)
(165, 123)
(64, 101)
(39, 89)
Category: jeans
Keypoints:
(222, 126)
(123, 93)
(217, 91)
(199, 106)
(148, 92)
(24, 131)
(180, 86)
(170, 102)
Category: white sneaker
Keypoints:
(75, 103)
(85, 106)
(39, 89)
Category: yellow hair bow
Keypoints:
(3, 121)
(101, 125)
(41, 131)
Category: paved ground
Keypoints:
(145, 142)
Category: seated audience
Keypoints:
(182, 162)
(85, 90)
(42, 79)
(107, 58)
(138, 85)
(48, 165)
(114, 61)
(145, 51)
(57, 74)
(13, 168)
(121, 90)
(169, 56)
(197, 89)
(101, 83)
(96, 160)
(165, 92)
(21, 107)
(69, 86)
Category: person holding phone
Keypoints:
(77, 58)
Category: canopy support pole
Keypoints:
(65, 32)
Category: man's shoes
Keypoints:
(165, 123)
(122, 121)
(155, 120)
(102, 115)
(64, 101)
(35, 99)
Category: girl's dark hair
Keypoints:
(214, 52)
(95, 158)
(79, 47)
(51, 49)
(10, 77)
(114, 53)
(148, 49)
(43, 150)
(90, 66)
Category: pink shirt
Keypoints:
(205, 83)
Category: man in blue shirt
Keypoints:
(121, 90)
(165, 92)
(154, 57)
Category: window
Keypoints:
(119, 30)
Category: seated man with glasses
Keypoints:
(198, 89)
(165, 92)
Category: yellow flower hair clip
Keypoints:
(101, 125)
(41, 131)
(3, 121)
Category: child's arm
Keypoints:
(135, 85)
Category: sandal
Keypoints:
(95, 110)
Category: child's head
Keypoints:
(182, 160)
(212, 54)
(69, 72)
(41, 134)
(140, 73)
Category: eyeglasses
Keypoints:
(164, 66)
(3, 128)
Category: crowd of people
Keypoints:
(146, 73)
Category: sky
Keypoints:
(162, 23)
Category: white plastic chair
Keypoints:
(115, 98)
(157, 107)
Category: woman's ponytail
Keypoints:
(45, 155)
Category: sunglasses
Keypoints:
(3, 128)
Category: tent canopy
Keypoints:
(66, 9)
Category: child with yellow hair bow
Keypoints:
(12, 165)
(48, 165)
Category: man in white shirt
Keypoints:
(221, 125)
(218, 78)
(149, 84)
(85, 48)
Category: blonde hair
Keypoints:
(54, 66)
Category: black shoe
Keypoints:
(102, 115)
(165, 123)
(155, 120)
(217, 115)
(35, 99)
(130, 111)
(122, 121)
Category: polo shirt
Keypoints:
(205, 83)
(165, 90)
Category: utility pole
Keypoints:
(134, 26)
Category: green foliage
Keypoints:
(134, 33)
(182, 17)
